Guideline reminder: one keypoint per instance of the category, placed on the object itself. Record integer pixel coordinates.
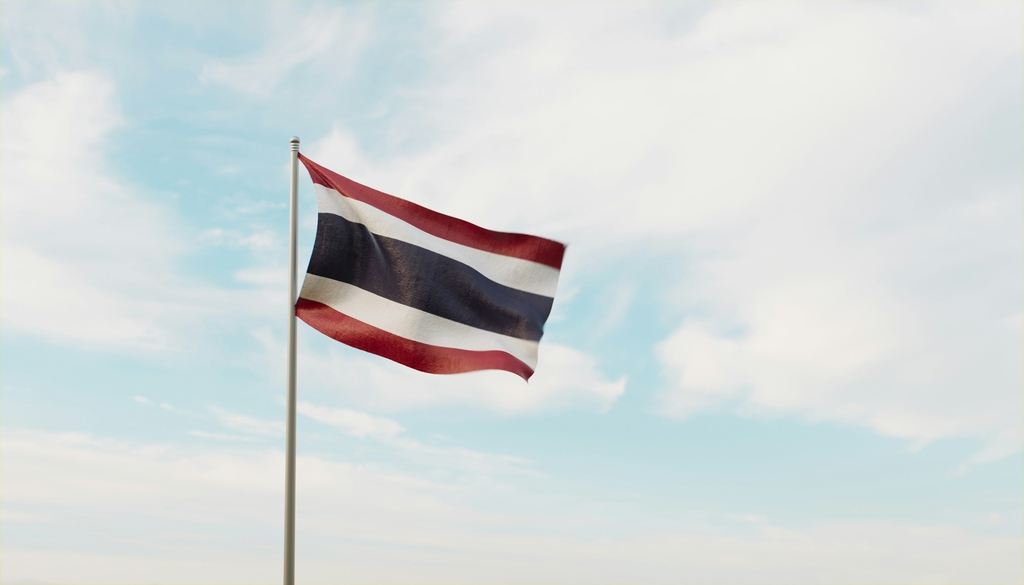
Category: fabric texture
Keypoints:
(427, 290)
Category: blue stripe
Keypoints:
(404, 273)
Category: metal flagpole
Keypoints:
(289, 490)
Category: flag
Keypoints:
(429, 291)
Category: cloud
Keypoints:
(883, 288)
(471, 465)
(297, 37)
(352, 422)
(89, 259)
(68, 271)
(259, 240)
(221, 436)
(840, 183)
(202, 515)
(390, 433)
(248, 424)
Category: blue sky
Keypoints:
(786, 345)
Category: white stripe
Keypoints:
(516, 273)
(411, 323)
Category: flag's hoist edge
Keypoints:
(503, 283)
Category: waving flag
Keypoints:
(424, 289)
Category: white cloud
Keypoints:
(392, 434)
(221, 436)
(815, 168)
(259, 240)
(616, 302)
(297, 37)
(470, 464)
(248, 424)
(88, 259)
(1002, 445)
(352, 422)
(202, 515)
(76, 244)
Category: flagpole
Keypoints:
(289, 490)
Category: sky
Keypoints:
(786, 345)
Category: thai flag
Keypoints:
(424, 289)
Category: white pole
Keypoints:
(289, 490)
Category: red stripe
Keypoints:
(419, 356)
(540, 250)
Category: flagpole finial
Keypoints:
(295, 143)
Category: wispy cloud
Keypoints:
(406, 529)
(351, 422)
(64, 232)
(334, 32)
(88, 259)
(392, 434)
(248, 424)
(388, 433)
(222, 436)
